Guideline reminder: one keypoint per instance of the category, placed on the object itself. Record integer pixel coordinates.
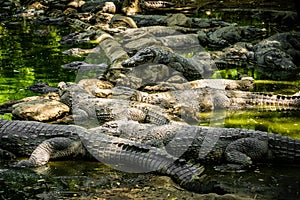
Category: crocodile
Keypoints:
(233, 148)
(105, 89)
(212, 98)
(42, 88)
(90, 111)
(203, 94)
(267, 57)
(180, 103)
(156, 4)
(132, 7)
(190, 68)
(245, 84)
(275, 57)
(229, 35)
(43, 142)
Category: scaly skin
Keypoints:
(187, 103)
(88, 109)
(240, 147)
(44, 142)
(156, 4)
(122, 103)
(216, 98)
(156, 55)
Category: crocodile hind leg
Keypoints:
(58, 147)
(241, 153)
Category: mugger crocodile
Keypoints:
(192, 68)
(209, 98)
(43, 142)
(232, 148)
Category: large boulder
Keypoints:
(40, 110)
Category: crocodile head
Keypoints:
(143, 56)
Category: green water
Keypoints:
(30, 54)
(285, 123)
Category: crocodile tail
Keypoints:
(278, 102)
(284, 149)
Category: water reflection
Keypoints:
(30, 54)
(92, 180)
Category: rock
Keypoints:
(134, 40)
(76, 3)
(95, 86)
(109, 7)
(179, 20)
(114, 52)
(7, 106)
(133, 46)
(40, 110)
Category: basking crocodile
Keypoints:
(203, 96)
(42, 88)
(123, 103)
(276, 57)
(278, 54)
(231, 34)
(44, 141)
(191, 68)
(209, 98)
(237, 147)
(107, 143)
(245, 84)
(90, 111)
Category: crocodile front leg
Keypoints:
(242, 152)
(50, 149)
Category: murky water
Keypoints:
(31, 54)
(92, 180)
